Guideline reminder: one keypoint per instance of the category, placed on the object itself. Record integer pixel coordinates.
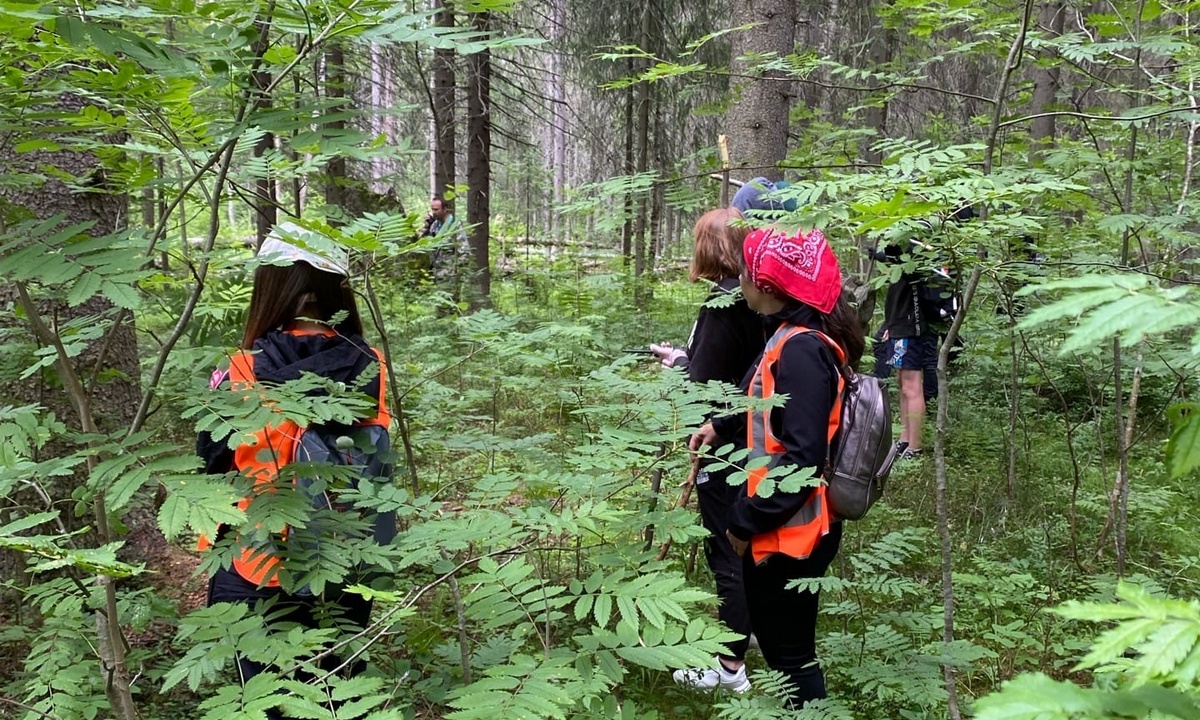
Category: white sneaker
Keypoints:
(713, 678)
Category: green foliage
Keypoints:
(1130, 307)
(1145, 665)
(526, 581)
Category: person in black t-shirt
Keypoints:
(910, 348)
(911, 332)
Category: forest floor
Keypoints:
(170, 570)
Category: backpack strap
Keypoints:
(844, 377)
(241, 368)
(383, 415)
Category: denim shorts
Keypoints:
(912, 353)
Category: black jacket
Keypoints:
(726, 340)
(807, 372)
(281, 356)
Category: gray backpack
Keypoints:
(862, 453)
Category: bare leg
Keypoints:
(912, 407)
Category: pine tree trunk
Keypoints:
(443, 106)
(558, 116)
(1045, 85)
(643, 151)
(335, 91)
(757, 119)
(296, 184)
(627, 226)
(882, 48)
(479, 168)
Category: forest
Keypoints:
(1040, 562)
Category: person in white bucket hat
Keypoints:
(289, 243)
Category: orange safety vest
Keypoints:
(272, 448)
(798, 537)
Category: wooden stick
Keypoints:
(723, 148)
(684, 497)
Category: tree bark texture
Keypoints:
(643, 147)
(443, 106)
(882, 48)
(627, 226)
(479, 163)
(265, 216)
(116, 397)
(556, 93)
(335, 90)
(297, 183)
(757, 119)
(1046, 79)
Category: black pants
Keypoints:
(715, 496)
(307, 611)
(785, 621)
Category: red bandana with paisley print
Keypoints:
(801, 266)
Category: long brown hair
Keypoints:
(718, 253)
(842, 324)
(283, 293)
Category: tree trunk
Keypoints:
(643, 151)
(657, 196)
(160, 208)
(757, 119)
(880, 55)
(264, 187)
(627, 226)
(479, 163)
(555, 148)
(443, 106)
(1045, 85)
(335, 90)
(297, 186)
(105, 376)
(1119, 511)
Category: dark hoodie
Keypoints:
(807, 372)
(282, 356)
(726, 340)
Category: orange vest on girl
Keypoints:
(797, 537)
(261, 459)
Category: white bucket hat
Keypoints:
(304, 246)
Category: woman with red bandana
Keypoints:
(783, 536)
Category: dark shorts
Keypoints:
(912, 353)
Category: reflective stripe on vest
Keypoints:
(798, 537)
(260, 459)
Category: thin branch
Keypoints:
(1013, 61)
(28, 708)
(375, 628)
(1086, 116)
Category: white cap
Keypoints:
(304, 246)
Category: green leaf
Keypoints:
(1183, 446)
(26, 523)
(1037, 697)
(603, 609)
(121, 295)
(37, 144)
